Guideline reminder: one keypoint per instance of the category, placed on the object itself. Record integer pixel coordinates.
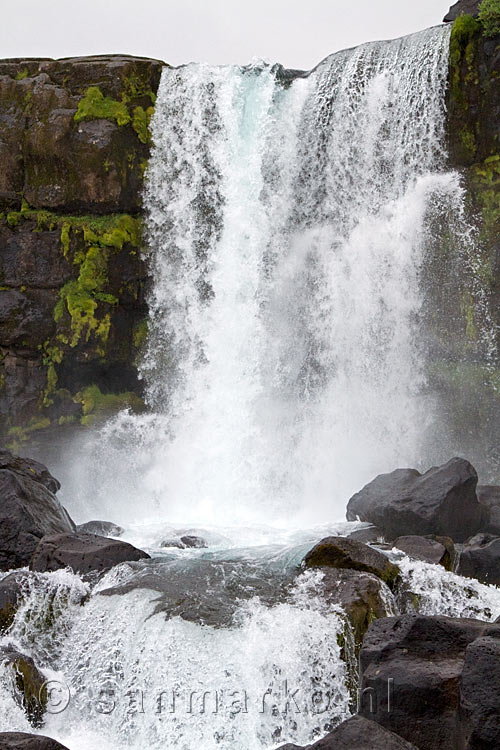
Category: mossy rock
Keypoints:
(29, 684)
(344, 553)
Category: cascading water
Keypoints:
(287, 224)
(288, 220)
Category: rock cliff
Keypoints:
(74, 144)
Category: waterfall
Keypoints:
(287, 222)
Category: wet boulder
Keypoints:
(367, 535)
(194, 542)
(82, 552)
(340, 552)
(28, 683)
(29, 509)
(427, 549)
(358, 733)
(362, 596)
(11, 593)
(442, 501)
(480, 694)
(480, 559)
(461, 8)
(489, 497)
(101, 528)
(411, 674)
(24, 741)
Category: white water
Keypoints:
(287, 229)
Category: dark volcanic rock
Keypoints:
(363, 597)
(24, 741)
(367, 535)
(101, 528)
(357, 733)
(489, 497)
(411, 670)
(463, 7)
(82, 552)
(441, 501)
(194, 541)
(480, 559)
(480, 694)
(206, 592)
(11, 593)
(339, 552)
(29, 510)
(426, 549)
(29, 683)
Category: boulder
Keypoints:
(11, 593)
(363, 597)
(411, 671)
(489, 497)
(480, 693)
(24, 741)
(339, 552)
(358, 733)
(366, 535)
(480, 559)
(82, 552)
(426, 549)
(101, 528)
(195, 542)
(29, 683)
(463, 7)
(29, 510)
(442, 501)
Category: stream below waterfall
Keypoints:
(287, 219)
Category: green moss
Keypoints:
(136, 86)
(95, 106)
(96, 405)
(13, 218)
(465, 35)
(468, 312)
(468, 140)
(140, 334)
(141, 121)
(489, 16)
(65, 237)
(22, 74)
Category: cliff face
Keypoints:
(464, 289)
(74, 144)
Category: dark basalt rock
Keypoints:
(489, 497)
(101, 528)
(357, 733)
(480, 694)
(202, 591)
(463, 7)
(29, 683)
(480, 559)
(29, 510)
(411, 675)
(24, 741)
(426, 549)
(11, 593)
(441, 501)
(194, 541)
(367, 535)
(362, 596)
(84, 553)
(340, 552)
